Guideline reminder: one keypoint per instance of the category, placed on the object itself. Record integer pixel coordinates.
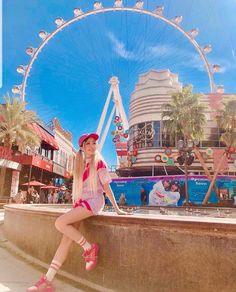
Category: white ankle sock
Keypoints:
(54, 267)
(84, 243)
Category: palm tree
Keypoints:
(226, 119)
(15, 130)
(184, 118)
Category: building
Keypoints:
(51, 163)
(150, 151)
(63, 158)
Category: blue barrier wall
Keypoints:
(170, 190)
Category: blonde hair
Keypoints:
(79, 167)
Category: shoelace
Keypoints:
(41, 281)
(91, 256)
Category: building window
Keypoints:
(157, 128)
(143, 135)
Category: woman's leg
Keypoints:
(59, 257)
(65, 221)
(70, 234)
(64, 225)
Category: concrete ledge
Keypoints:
(138, 252)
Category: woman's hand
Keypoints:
(121, 212)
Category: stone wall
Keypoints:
(136, 253)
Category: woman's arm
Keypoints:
(110, 195)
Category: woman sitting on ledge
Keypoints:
(91, 179)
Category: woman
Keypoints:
(91, 179)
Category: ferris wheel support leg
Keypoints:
(121, 108)
(107, 128)
(104, 112)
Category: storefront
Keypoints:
(9, 172)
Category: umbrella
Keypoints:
(34, 183)
(49, 187)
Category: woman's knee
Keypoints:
(60, 224)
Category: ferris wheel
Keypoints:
(118, 6)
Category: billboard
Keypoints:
(170, 190)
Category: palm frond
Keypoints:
(14, 124)
(184, 115)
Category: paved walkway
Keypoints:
(16, 275)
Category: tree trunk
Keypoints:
(186, 180)
(205, 201)
(3, 170)
(2, 180)
(206, 170)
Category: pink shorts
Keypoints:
(95, 204)
(82, 203)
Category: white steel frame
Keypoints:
(118, 6)
(117, 107)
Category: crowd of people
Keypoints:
(42, 196)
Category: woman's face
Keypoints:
(174, 188)
(89, 147)
(166, 184)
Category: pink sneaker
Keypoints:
(42, 285)
(91, 256)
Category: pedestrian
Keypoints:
(50, 197)
(91, 178)
(67, 197)
(60, 197)
(19, 197)
(55, 197)
(122, 200)
(143, 197)
(35, 197)
(29, 198)
(42, 196)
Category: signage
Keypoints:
(14, 183)
(45, 165)
(10, 164)
(170, 190)
(58, 169)
(67, 174)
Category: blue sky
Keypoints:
(69, 79)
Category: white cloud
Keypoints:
(119, 48)
(160, 50)
(190, 59)
(194, 61)
(152, 51)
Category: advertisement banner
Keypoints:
(170, 190)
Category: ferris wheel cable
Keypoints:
(207, 66)
(145, 35)
(107, 128)
(111, 60)
(209, 12)
(98, 61)
(58, 63)
(219, 16)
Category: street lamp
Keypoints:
(186, 158)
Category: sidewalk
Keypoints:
(16, 275)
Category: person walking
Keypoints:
(91, 179)
(122, 200)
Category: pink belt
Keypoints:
(82, 203)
